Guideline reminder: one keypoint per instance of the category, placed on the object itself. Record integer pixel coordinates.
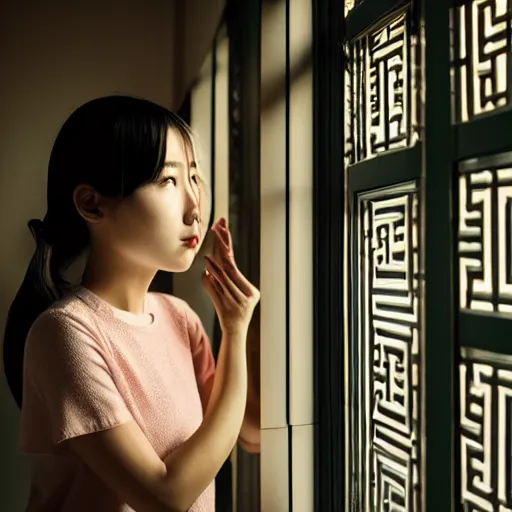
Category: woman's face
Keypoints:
(158, 226)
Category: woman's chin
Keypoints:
(180, 265)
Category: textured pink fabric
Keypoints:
(90, 367)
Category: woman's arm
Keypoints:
(250, 433)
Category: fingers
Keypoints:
(233, 295)
(221, 243)
(224, 236)
(223, 255)
(213, 288)
(228, 288)
(226, 262)
(220, 248)
(213, 280)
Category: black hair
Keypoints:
(115, 144)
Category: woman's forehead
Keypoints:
(178, 148)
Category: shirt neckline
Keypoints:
(143, 320)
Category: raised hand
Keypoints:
(233, 296)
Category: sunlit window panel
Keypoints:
(350, 4)
(481, 57)
(484, 234)
(381, 90)
(388, 452)
(200, 117)
(485, 412)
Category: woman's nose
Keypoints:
(192, 213)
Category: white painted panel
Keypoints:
(273, 219)
(301, 214)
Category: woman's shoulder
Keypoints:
(71, 306)
(67, 316)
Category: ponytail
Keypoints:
(42, 285)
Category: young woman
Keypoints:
(122, 407)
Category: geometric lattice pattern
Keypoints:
(381, 91)
(485, 433)
(389, 350)
(484, 234)
(481, 56)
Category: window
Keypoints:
(417, 264)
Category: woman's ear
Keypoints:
(89, 203)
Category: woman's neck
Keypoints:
(121, 285)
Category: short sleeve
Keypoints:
(69, 389)
(204, 362)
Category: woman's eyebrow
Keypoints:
(177, 163)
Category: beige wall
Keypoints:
(54, 56)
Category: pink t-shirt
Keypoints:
(90, 367)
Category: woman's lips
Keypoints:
(191, 242)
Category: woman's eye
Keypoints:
(170, 179)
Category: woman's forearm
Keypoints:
(250, 433)
(193, 465)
